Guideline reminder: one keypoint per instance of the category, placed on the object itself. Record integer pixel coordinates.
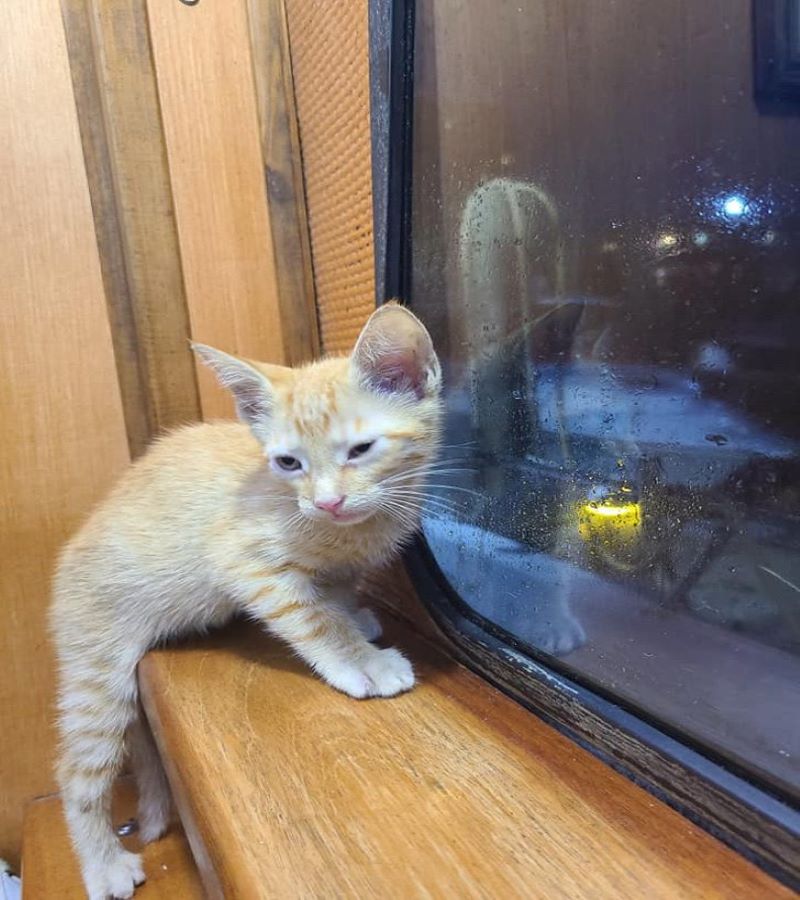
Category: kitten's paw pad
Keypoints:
(390, 673)
(383, 673)
(116, 880)
(368, 624)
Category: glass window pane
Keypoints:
(606, 246)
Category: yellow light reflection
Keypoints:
(666, 241)
(612, 524)
(625, 511)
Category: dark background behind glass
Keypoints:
(605, 245)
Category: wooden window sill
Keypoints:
(288, 789)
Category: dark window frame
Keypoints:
(752, 820)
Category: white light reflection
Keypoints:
(735, 206)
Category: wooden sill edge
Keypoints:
(197, 829)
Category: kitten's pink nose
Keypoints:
(333, 505)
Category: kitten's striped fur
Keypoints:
(207, 523)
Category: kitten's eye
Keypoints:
(288, 463)
(359, 449)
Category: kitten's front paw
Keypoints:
(566, 635)
(390, 673)
(116, 880)
(382, 673)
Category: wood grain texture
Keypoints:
(50, 869)
(280, 145)
(330, 68)
(88, 101)
(205, 81)
(667, 769)
(451, 790)
(126, 163)
(63, 434)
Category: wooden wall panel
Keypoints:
(280, 144)
(129, 181)
(205, 80)
(62, 433)
(330, 65)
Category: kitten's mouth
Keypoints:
(340, 517)
(351, 517)
(344, 517)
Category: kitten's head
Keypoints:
(351, 436)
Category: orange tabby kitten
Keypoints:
(273, 520)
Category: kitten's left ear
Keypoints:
(251, 389)
(394, 354)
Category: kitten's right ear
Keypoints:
(394, 354)
(250, 388)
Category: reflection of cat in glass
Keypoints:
(511, 259)
(554, 469)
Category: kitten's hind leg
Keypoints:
(97, 704)
(155, 799)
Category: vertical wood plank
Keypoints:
(205, 80)
(126, 161)
(280, 145)
(109, 238)
(330, 69)
(62, 432)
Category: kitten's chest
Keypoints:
(343, 555)
(348, 550)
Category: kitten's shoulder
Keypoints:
(201, 450)
(212, 437)
(185, 469)
(223, 442)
